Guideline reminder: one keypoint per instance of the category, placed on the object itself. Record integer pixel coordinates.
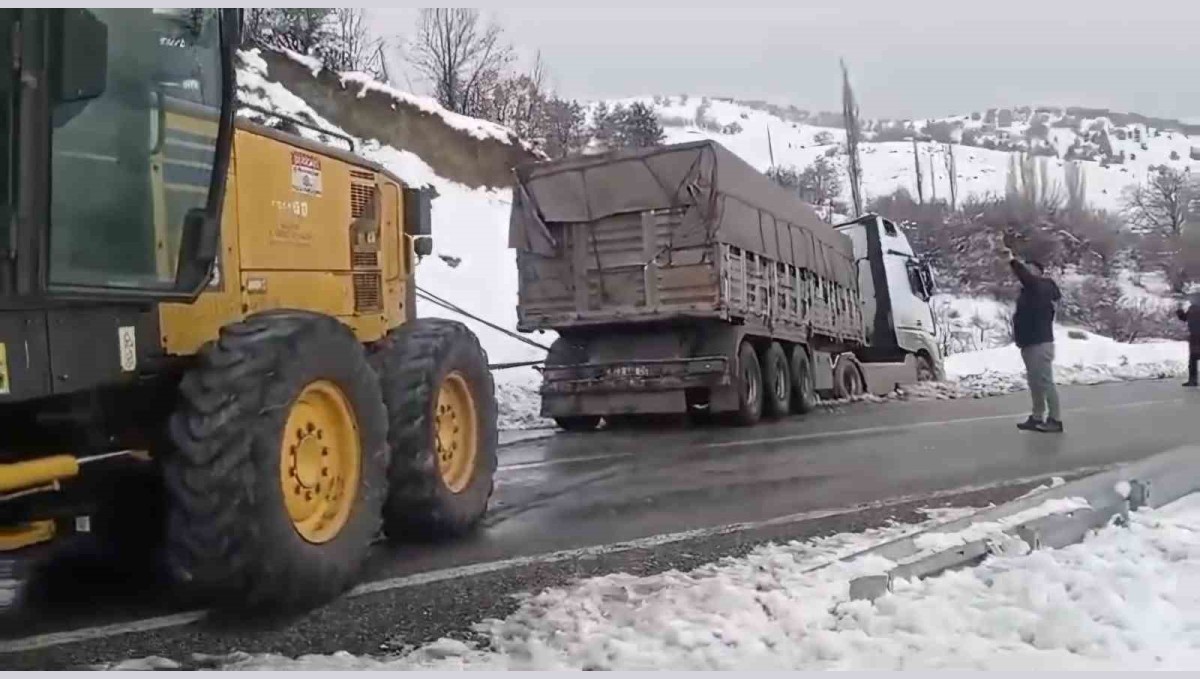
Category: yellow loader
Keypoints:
(208, 333)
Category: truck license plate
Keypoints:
(629, 371)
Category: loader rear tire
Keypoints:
(442, 436)
(280, 403)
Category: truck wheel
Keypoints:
(278, 474)
(777, 382)
(578, 423)
(565, 351)
(847, 380)
(749, 384)
(925, 371)
(804, 388)
(441, 406)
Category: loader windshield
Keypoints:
(127, 165)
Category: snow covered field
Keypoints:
(1125, 598)
(1081, 358)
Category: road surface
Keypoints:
(642, 501)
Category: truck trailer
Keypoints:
(679, 279)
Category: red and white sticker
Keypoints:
(306, 173)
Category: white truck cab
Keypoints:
(896, 287)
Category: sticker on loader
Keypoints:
(306, 173)
(3, 369)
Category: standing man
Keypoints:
(1033, 332)
(1192, 317)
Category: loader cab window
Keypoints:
(134, 154)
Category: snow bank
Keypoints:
(1125, 598)
(1081, 358)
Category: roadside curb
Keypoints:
(1150, 483)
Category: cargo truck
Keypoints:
(680, 279)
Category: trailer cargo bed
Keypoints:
(682, 232)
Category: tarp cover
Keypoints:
(725, 200)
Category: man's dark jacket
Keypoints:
(1192, 318)
(1033, 322)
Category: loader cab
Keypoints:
(117, 132)
(896, 285)
(117, 129)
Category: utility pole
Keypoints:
(917, 167)
(770, 147)
(952, 174)
(850, 113)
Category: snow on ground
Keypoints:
(1125, 598)
(1081, 358)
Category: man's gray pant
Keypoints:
(1039, 371)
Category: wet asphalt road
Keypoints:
(574, 491)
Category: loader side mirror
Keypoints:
(423, 245)
(418, 212)
(418, 219)
(80, 69)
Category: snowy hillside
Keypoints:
(888, 165)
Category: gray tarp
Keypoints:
(726, 201)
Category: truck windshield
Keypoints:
(128, 165)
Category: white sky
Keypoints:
(907, 59)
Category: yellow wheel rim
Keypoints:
(456, 426)
(320, 462)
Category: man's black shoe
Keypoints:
(1031, 424)
(1051, 426)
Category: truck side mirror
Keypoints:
(80, 68)
(927, 279)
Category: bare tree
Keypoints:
(1076, 185)
(819, 183)
(301, 30)
(1161, 204)
(350, 46)
(566, 128)
(519, 102)
(461, 56)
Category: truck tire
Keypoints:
(278, 475)
(925, 369)
(847, 379)
(749, 385)
(804, 386)
(578, 423)
(564, 351)
(441, 409)
(777, 382)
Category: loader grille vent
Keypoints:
(363, 174)
(366, 260)
(368, 292)
(361, 196)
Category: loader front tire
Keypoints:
(279, 471)
(442, 435)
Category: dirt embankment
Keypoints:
(453, 153)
